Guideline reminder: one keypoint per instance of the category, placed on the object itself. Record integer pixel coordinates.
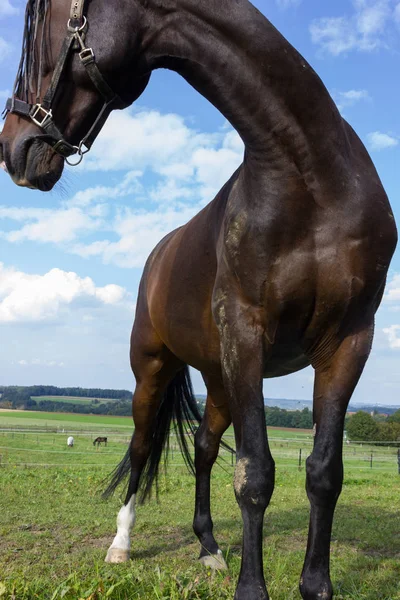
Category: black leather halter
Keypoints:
(41, 112)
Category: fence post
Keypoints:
(300, 459)
(398, 459)
(372, 457)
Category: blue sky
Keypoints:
(71, 260)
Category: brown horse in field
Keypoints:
(285, 268)
(100, 440)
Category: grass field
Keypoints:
(55, 528)
(67, 421)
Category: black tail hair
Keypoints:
(179, 407)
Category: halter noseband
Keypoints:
(41, 112)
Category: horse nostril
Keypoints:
(2, 162)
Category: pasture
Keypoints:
(55, 528)
(72, 399)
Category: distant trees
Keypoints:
(362, 427)
(122, 408)
(365, 428)
(23, 397)
(76, 392)
(15, 397)
(298, 419)
(395, 417)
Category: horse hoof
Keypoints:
(116, 555)
(214, 561)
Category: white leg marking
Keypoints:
(215, 562)
(119, 551)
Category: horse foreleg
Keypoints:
(207, 440)
(241, 335)
(334, 385)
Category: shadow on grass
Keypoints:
(374, 532)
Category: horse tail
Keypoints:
(94, 441)
(178, 411)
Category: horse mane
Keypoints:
(31, 60)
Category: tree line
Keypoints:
(364, 427)
(26, 397)
(20, 394)
(297, 419)
(120, 408)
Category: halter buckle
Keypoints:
(86, 56)
(40, 116)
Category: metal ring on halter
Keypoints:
(80, 155)
(77, 29)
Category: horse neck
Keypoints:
(230, 53)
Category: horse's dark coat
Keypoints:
(284, 268)
(100, 440)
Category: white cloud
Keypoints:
(145, 139)
(38, 362)
(186, 173)
(6, 9)
(36, 298)
(365, 30)
(350, 98)
(130, 184)
(187, 179)
(392, 293)
(392, 336)
(381, 141)
(138, 232)
(84, 213)
(5, 49)
(334, 34)
(51, 225)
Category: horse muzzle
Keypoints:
(31, 163)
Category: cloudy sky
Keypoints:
(71, 260)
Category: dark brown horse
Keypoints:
(100, 440)
(286, 267)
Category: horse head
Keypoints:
(79, 62)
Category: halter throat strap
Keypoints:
(41, 113)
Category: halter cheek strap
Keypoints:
(41, 113)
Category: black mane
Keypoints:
(30, 65)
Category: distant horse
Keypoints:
(100, 440)
(285, 268)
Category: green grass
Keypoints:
(55, 528)
(64, 420)
(74, 399)
(66, 399)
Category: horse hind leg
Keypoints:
(153, 371)
(333, 388)
(215, 421)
